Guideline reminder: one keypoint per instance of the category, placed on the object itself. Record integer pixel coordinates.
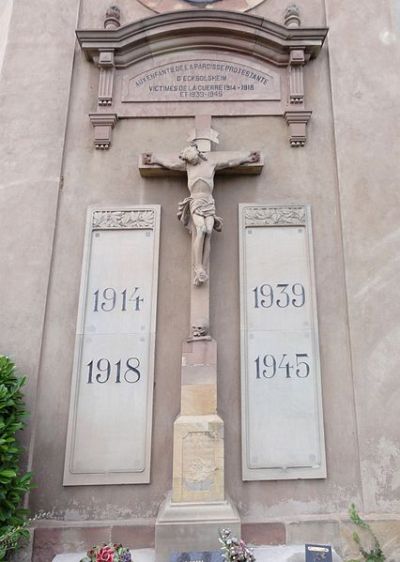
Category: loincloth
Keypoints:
(202, 206)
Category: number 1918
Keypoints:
(103, 370)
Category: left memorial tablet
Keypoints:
(110, 416)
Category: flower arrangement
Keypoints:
(108, 553)
(233, 549)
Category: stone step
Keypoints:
(281, 553)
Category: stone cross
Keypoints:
(197, 211)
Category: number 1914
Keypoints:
(110, 299)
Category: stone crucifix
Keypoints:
(197, 211)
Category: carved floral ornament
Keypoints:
(256, 67)
(113, 220)
(275, 216)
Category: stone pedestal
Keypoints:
(197, 507)
(192, 526)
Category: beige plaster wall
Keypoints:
(34, 94)
(364, 62)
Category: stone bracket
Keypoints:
(297, 121)
(103, 124)
(106, 78)
(296, 81)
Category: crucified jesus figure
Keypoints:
(197, 212)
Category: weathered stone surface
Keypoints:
(264, 533)
(49, 542)
(314, 532)
(387, 533)
(133, 536)
(198, 469)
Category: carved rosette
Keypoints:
(116, 220)
(275, 216)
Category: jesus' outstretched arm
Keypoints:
(170, 162)
(234, 161)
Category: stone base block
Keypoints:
(184, 527)
(61, 538)
(142, 555)
(289, 553)
(198, 460)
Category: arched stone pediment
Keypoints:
(249, 35)
(192, 61)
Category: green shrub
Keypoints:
(374, 554)
(13, 484)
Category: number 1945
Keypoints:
(267, 366)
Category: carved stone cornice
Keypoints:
(164, 33)
(131, 56)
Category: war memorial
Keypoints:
(199, 247)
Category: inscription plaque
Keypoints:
(109, 432)
(199, 460)
(210, 79)
(282, 427)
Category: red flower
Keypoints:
(105, 554)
